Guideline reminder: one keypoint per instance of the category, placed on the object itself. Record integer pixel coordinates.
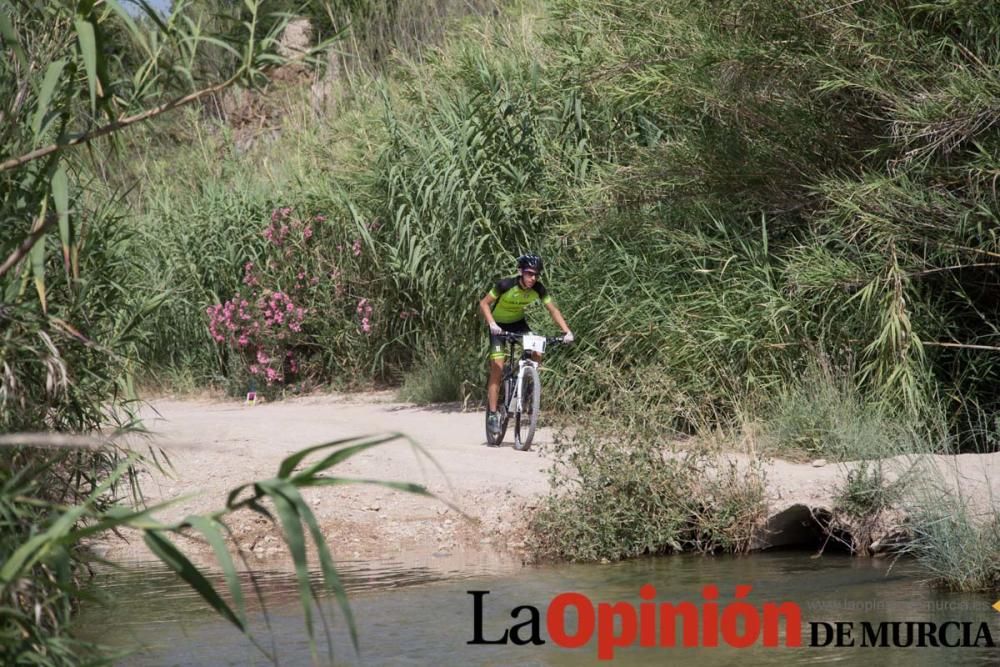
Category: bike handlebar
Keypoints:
(512, 336)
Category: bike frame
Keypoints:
(507, 378)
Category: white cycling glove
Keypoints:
(568, 337)
(495, 329)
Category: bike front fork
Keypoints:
(514, 393)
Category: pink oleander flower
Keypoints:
(307, 233)
(280, 213)
(262, 357)
(276, 234)
(356, 247)
(249, 278)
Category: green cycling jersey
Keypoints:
(512, 299)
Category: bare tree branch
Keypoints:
(26, 245)
(117, 125)
(964, 346)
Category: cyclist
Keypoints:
(503, 308)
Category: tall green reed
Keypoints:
(53, 500)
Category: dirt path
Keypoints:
(215, 446)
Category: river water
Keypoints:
(421, 616)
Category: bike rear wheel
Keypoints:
(526, 418)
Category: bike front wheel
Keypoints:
(526, 418)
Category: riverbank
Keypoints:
(484, 495)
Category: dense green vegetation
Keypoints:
(726, 198)
(766, 212)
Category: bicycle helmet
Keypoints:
(530, 261)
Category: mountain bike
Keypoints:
(520, 390)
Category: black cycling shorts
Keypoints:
(496, 344)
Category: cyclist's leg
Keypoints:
(495, 371)
(496, 361)
(493, 386)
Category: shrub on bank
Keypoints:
(954, 537)
(615, 500)
(869, 494)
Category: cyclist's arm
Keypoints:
(486, 308)
(557, 316)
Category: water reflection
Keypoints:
(417, 616)
(144, 592)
